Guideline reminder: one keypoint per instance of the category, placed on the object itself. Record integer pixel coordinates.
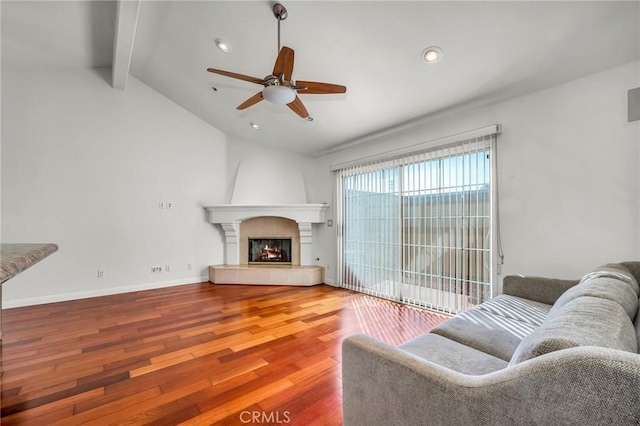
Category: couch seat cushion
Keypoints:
(603, 287)
(453, 355)
(485, 331)
(584, 321)
(517, 308)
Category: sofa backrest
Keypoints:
(634, 268)
(603, 287)
(636, 324)
(615, 271)
(601, 310)
(583, 321)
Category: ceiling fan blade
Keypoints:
(251, 101)
(238, 76)
(284, 63)
(316, 88)
(298, 107)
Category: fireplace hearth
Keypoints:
(270, 250)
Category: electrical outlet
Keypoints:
(156, 269)
(167, 268)
(161, 205)
(189, 266)
(168, 204)
(100, 273)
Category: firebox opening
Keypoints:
(270, 250)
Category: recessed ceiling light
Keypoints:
(255, 126)
(432, 54)
(223, 45)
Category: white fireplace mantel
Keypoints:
(227, 213)
(229, 216)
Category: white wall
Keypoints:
(568, 174)
(85, 166)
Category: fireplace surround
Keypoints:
(269, 227)
(241, 222)
(300, 216)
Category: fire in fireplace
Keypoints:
(270, 250)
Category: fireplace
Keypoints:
(269, 250)
(292, 222)
(239, 222)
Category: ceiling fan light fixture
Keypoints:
(432, 54)
(279, 87)
(280, 95)
(223, 45)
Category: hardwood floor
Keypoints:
(196, 354)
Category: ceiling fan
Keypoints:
(279, 87)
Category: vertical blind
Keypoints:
(417, 228)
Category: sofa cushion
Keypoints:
(453, 355)
(540, 289)
(616, 271)
(584, 321)
(517, 308)
(636, 325)
(485, 331)
(634, 268)
(613, 289)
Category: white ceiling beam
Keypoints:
(123, 39)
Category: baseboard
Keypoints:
(329, 281)
(8, 304)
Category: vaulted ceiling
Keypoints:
(491, 51)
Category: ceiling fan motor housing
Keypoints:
(280, 12)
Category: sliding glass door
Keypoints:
(372, 238)
(417, 228)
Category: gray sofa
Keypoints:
(545, 352)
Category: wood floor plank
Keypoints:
(136, 407)
(39, 357)
(242, 402)
(102, 412)
(60, 410)
(195, 354)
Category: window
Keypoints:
(417, 228)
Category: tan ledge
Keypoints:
(18, 257)
(266, 275)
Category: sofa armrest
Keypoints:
(383, 385)
(539, 289)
